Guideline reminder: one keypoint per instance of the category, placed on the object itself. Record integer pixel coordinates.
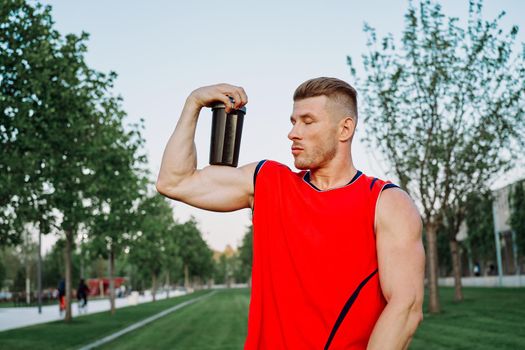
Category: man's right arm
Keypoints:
(216, 188)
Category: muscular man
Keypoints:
(338, 260)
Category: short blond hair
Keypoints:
(333, 88)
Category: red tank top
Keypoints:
(314, 276)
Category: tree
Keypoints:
(444, 109)
(517, 217)
(2, 274)
(196, 256)
(171, 260)
(26, 66)
(59, 121)
(120, 180)
(154, 223)
(54, 265)
(246, 254)
(480, 227)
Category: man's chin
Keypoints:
(301, 165)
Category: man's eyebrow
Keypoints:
(302, 116)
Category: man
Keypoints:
(338, 261)
(82, 296)
(61, 296)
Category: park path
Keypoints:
(16, 317)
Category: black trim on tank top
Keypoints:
(346, 308)
(307, 179)
(389, 186)
(257, 168)
(385, 187)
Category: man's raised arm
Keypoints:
(217, 188)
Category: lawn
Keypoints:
(487, 319)
(219, 322)
(84, 329)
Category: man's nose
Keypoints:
(294, 134)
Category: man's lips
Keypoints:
(296, 150)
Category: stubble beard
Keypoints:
(318, 156)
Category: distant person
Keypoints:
(82, 295)
(492, 270)
(477, 269)
(61, 297)
(338, 259)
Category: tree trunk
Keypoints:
(27, 261)
(154, 286)
(67, 259)
(112, 280)
(469, 259)
(39, 272)
(186, 277)
(456, 268)
(432, 261)
(28, 282)
(168, 285)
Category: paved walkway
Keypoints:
(16, 317)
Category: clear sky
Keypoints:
(162, 50)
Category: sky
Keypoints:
(163, 50)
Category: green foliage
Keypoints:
(152, 225)
(194, 250)
(10, 258)
(19, 284)
(222, 271)
(54, 265)
(67, 161)
(246, 254)
(480, 226)
(443, 248)
(517, 218)
(29, 65)
(444, 107)
(2, 274)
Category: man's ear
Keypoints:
(347, 127)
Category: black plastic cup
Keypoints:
(226, 131)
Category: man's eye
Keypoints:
(308, 121)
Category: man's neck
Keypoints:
(333, 175)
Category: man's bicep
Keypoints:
(400, 250)
(217, 188)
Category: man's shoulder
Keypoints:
(268, 163)
(268, 167)
(378, 183)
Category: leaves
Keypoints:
(446, 106)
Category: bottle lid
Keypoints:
(222, 105)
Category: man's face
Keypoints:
(313, 134)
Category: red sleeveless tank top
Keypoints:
(314, 275)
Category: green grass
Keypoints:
(83, 329)
(487, 319)
(219, 322)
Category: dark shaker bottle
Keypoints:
(226, 130)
